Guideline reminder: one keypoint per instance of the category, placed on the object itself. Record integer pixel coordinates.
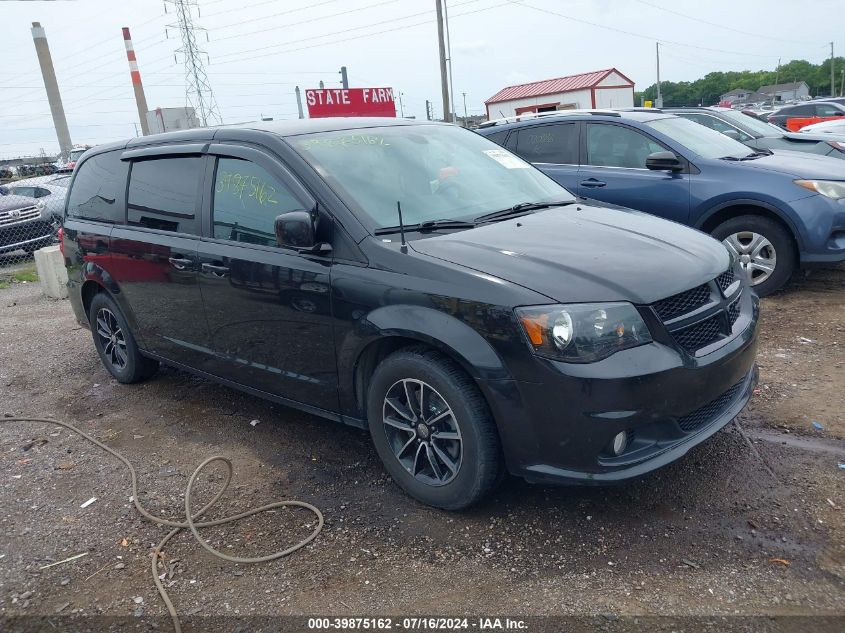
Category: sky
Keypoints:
(259, 50)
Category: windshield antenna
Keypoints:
(401, 224)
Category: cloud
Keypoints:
(472, 47)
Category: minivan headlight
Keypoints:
(582, 332)
(828, 188)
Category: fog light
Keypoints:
(619, 443)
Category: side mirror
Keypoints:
(297, 230)
(662, 161)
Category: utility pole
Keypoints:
(832, 80)
(658, 102)
(465, 106)
(48, 74)
(299, 102)
(449, 59)
(427, 110)
(137, 86)
(777, 78)
(842, 83)
(344, 81)
(401, 107)
(444, 78)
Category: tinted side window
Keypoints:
(163, 193)
(549, 144)
(825, 109)
(802, 110)
(498, 137)
(99, 189)
(247, 200)
(616, 146)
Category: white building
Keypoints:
(787, 92)
(607, 88)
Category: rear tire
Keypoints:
(452, 455)
(765, 249)
(115, 343)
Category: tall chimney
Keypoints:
(140, 99)
(42, 49)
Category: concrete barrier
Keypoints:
(51, 272)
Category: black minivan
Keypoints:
(417, 280)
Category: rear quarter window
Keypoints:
(99, 189)
(163, 193)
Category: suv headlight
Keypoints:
(41, 205)
(828, 188)
(582, 332)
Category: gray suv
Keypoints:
(25, 223)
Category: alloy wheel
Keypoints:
(422, 431)
(111, 338)
(755, 253)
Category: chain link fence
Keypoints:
(31, 208)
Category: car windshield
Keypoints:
(698, 139)
(436, 172)
(758, 127)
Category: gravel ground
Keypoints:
(749, 523)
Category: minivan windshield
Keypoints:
(698, 139)
(436, 172)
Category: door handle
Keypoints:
(180, 263)
(593, 182)
(217, 271)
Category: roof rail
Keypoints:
(536, 115)
(639, 109)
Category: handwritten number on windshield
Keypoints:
(239, 185)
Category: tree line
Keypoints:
(708, 89)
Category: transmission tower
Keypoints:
(198, 93)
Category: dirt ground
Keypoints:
(749, 523)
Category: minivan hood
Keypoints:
(583, 253)
(799, 165)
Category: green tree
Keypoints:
(708, 89)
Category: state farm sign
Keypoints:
(328, 102)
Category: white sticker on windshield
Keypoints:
(506, 159)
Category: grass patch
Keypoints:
(25, 275)
(4, 285)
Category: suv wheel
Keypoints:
(432, 429)
(764, 249)
(114, 342)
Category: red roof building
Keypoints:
(607, 88)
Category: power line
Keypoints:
(638, 35)
(308, 21)
(718, 25)
(358, 28)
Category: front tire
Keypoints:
(764, 248)
(115, 343)
(433, 430)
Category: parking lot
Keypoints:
(748, 523)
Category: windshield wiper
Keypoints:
(753, 155)
(522, 207)
(427, 225)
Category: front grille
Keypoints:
(725, 280)
(8, 218)
(682, 302)
(701, 334)
(733, 311)
(709, 411)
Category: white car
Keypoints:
(827, 127)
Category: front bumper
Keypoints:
(822, 235)
(25, 234)
(558, 429)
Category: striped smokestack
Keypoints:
(140, 99)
